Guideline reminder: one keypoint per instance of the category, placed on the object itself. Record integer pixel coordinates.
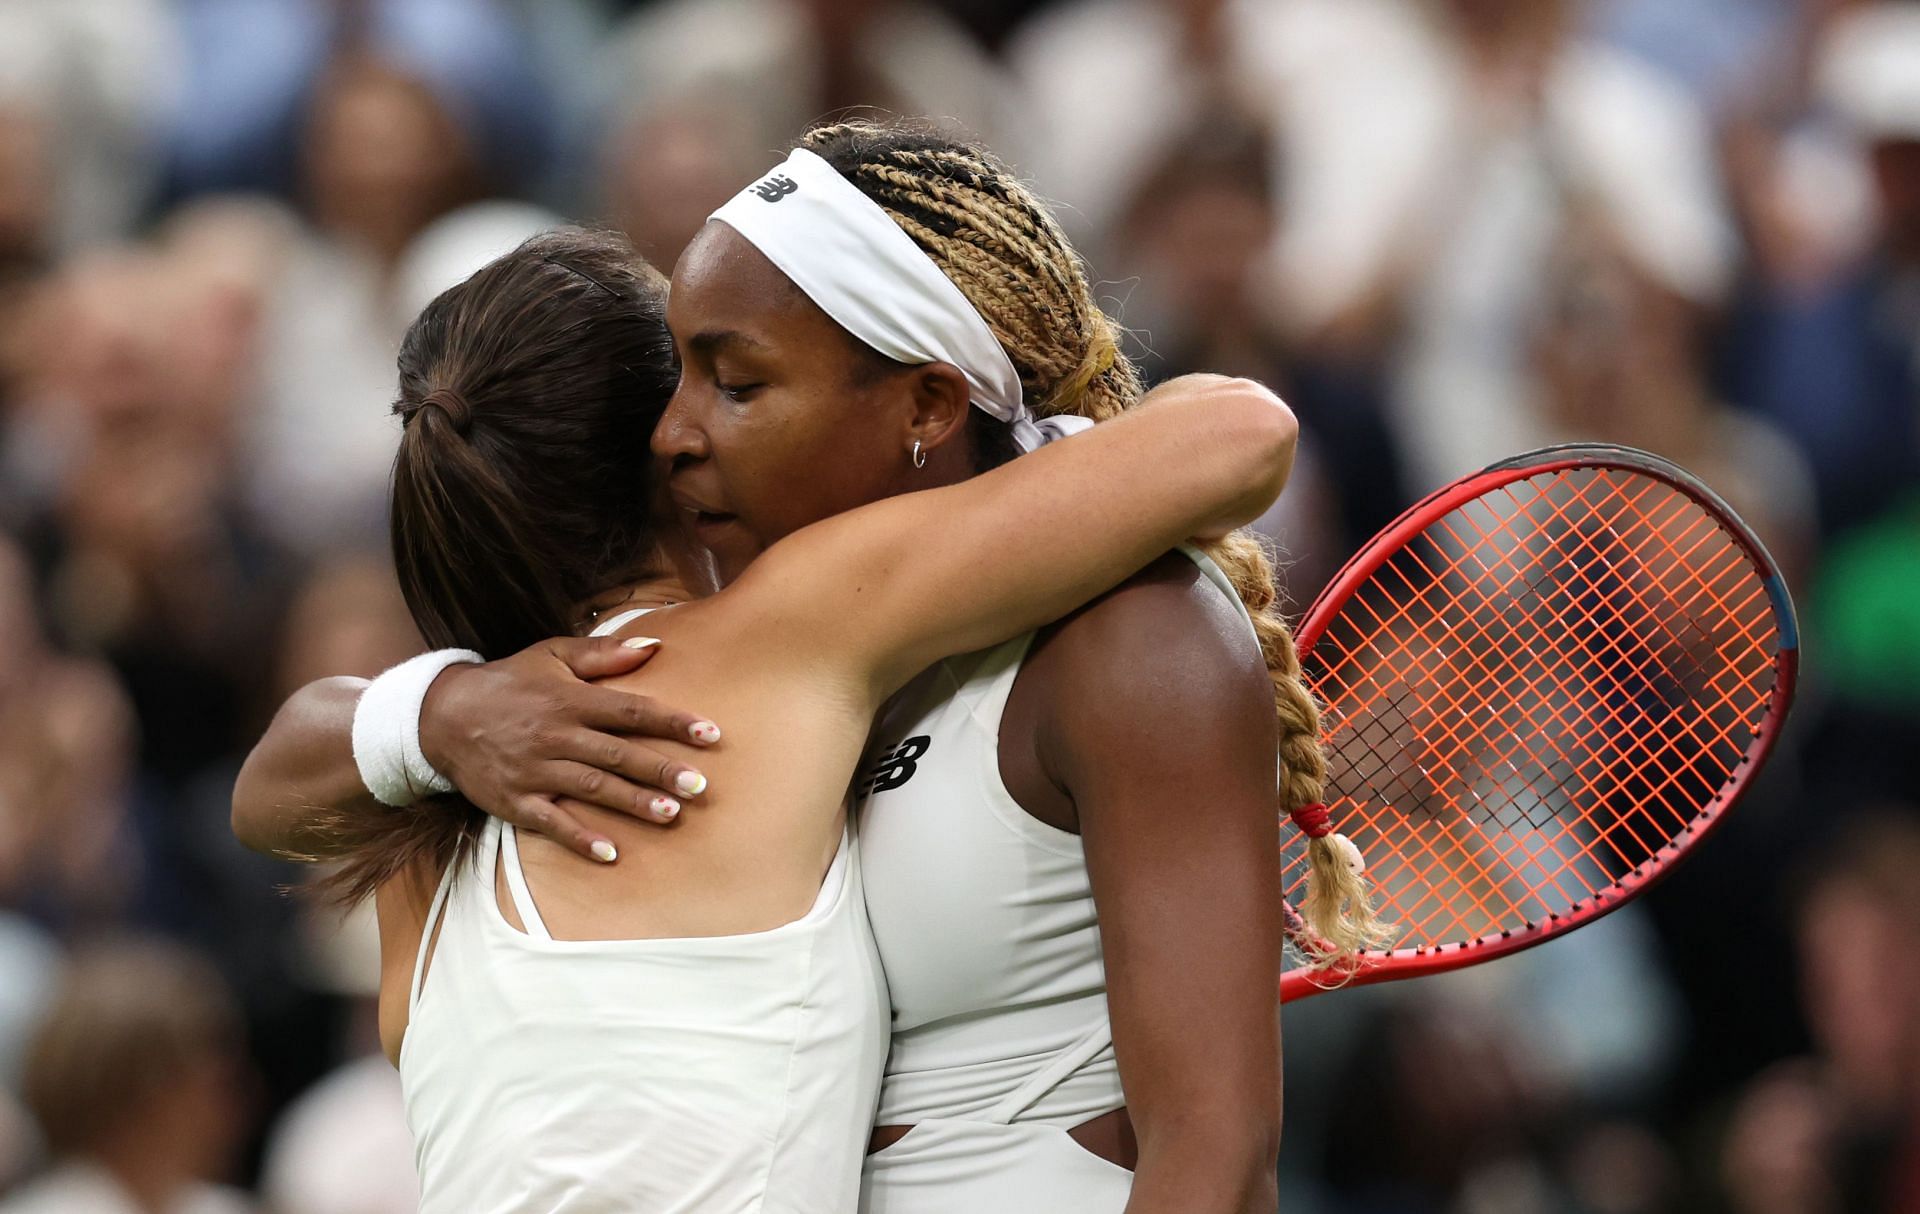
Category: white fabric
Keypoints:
(722, 1074)
(615, 623)
(849, 257)
(984, 917)
(386, 729)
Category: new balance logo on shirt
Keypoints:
(895, 767)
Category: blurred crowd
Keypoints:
(1446, 230)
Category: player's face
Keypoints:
(773, 425)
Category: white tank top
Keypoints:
(719, 1074)
(983, 914)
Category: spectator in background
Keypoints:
(135, 1079)
(1829, 347)
(1318, 76)
(1514, 121)
(384, 154)
(747, 76)
(664, 167)
(1621, 353)
(1186, 63)
(97, 81)
(1449, 1107)
(1437, 1113)
(65, 740)
(301, 999)
(66, 760)
(380, 117)
(130, 409)
(1195, 240)
(1841, 1132)
(1430, 152)
(251, 67)
(322, 445)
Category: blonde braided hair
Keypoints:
(1002, 247)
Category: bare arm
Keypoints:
(304, 765)
(304, 760)
(1168, 758)
(957, 568)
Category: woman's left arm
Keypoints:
(1161, 729)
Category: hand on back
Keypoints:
(530, 740)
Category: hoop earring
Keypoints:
(919, 455)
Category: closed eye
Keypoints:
(738, 392)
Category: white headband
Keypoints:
(850, 257)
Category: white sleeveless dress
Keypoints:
(719, 1074)
(985, 921)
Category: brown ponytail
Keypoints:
(522, 487)
(1002, 247)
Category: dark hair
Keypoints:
(523, 485)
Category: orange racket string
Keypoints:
(1537, 695)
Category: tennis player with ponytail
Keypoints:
(1069, 839)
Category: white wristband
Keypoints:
(386, 729)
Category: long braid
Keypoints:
(1004, 250)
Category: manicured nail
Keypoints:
(603, 851)
(640, 642)
(692, 783)
(666, 807)
(705, 732)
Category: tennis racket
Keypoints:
(1543, 686)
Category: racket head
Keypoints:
(1542, 686)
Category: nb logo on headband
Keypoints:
(774, 188)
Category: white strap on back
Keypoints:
(613, 624)
(1050, 1076)
(435, 910)
(509, 860)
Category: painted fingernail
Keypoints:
(640, 642)
(692, 783)
(603, 851)
(705, 731)
(666, 807)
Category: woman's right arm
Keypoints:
(305, 760)
(950, 570)
(492, 729)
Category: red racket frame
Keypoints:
(1394, 964)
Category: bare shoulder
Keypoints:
(1154, 694)
(1161, 672)
(1167, 622)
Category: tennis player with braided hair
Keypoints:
(1069, 839)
